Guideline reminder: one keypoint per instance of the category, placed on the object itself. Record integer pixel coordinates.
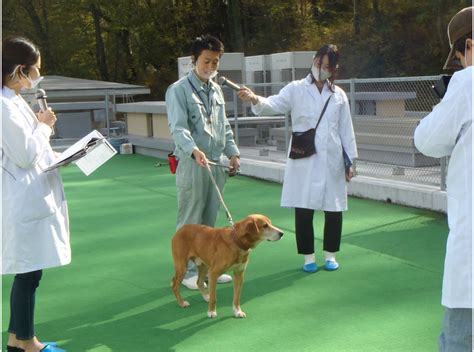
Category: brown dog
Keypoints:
(217, 250)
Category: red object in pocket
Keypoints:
(173, 162)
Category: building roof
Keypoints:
(66, 87)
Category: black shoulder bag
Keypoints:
(302, 143)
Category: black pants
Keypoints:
(305, 232)
(22, 304)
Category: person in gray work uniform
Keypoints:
(201, 133)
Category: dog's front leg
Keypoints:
(238, 283)
(211, 310)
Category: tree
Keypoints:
(139, 41)
(99, 42)
(41, 26)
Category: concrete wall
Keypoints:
(410, 194)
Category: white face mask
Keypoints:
(213, 74)
(207, 75)
(320, 75)
(35, 82)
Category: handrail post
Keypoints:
(236, 123)
(107, 122)
(443, 162)
(352, 88)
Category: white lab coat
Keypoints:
(447, 131)
(316, 182)
(35, 226)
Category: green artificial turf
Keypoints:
(116, 296)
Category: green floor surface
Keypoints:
(115, 296)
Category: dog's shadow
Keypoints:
(253, 287)
(153, 320)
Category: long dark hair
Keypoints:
(17, 51)
(333, 56)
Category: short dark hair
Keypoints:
(460, 44)
(333, 55)
(206, 42)
(17, 51)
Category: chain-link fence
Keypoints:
(385, 113)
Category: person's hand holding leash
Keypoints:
(234, 165)
(200, 157)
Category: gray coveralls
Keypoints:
(196, 118)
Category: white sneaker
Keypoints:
(191, 283)
(224, 279)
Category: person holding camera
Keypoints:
(202, 133)
(447, 132)
(322, 149)
(35, 223)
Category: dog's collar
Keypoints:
(238, 242)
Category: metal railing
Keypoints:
(385, 113)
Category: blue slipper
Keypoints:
(310, 268)
(331, 265)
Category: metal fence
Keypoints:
(385, 113)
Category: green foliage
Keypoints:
(139, 41)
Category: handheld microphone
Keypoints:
(41, 98)
(225, 82)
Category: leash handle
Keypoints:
(229, 217)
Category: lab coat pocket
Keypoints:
(334, 114)
(335, 160)
(34, 196)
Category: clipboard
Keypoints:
(89, 153)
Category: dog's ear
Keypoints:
(251, 227)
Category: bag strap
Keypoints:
(322, 112)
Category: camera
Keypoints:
(441, 86)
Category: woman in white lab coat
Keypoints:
(317, 182)
(35, 227)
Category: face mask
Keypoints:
(320, 75)
(207, 75)
(213, 74)
(35, 82)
